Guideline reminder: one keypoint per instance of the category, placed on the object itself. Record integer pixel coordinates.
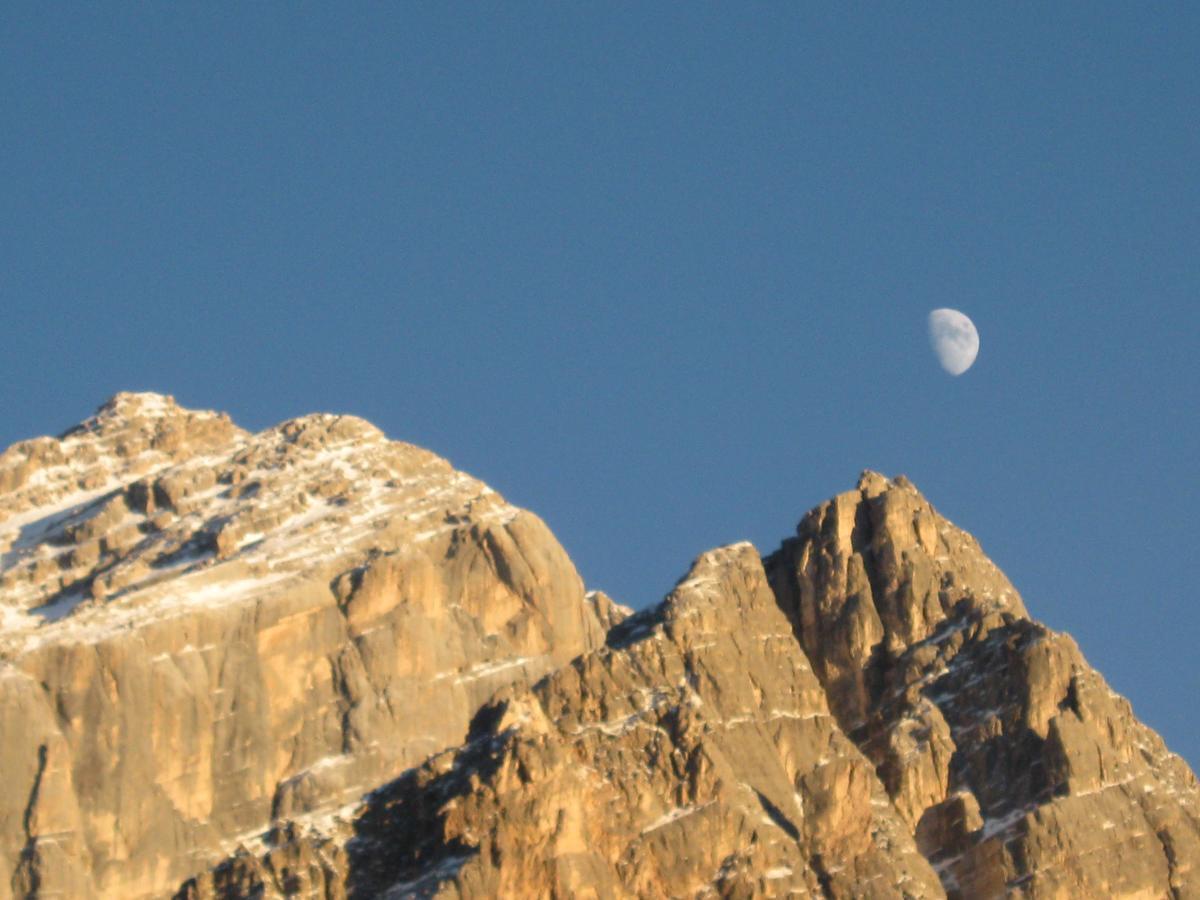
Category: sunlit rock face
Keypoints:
(868, 713)
(315, 662)
(204, 630)
(694, 754)
(1014, 765)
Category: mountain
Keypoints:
(315, 662)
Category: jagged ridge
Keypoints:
(205, 630)
(939, 743)
(262, 627)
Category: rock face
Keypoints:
(205, 630)
(1015, 765)
(312, 662)
(693, 754)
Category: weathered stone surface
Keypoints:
(204, 630)
(1019, 770)
(694, 755)
(313, 662)
(886, 721)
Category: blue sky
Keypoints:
(659, 275)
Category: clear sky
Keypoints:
(661, 277)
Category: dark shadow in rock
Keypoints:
(398, 839)
(636, 628)
(198, 548)
(62, 604)
(775, 814)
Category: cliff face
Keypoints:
(205, 630)
(1016, 767)
(694, 755)
(349, 670)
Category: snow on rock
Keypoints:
(145, 492)
(209, 630)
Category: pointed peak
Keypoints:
(125, 409)
(133, 412)
(137, 404)
(871, 483)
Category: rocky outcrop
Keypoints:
(1017, 768)
(206, 630)
(312, 662)
(869, 713)
(693, 755)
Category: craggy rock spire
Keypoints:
(1015, 765)
(872, 572)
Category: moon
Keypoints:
(954, 340)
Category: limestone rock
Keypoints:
(204, 630)
(869, 713)
(1016, 766)
(313, 662)
(692, 755)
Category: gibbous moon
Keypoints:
(954, 339)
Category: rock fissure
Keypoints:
(27, 878)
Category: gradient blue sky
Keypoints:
(660, 276)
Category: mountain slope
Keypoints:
(1017, 767)
(869, 714)
(205, 629)
(385, 681)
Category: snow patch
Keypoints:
(422, 886)
(674, 815)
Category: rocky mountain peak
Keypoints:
(202, 629)
(984, 725)
(132, 405)
(313, 661)
(131, 423)
(131, 434)
(877, 569)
